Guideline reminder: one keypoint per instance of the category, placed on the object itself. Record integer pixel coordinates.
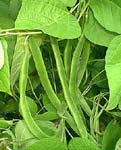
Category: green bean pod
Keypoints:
(72, 106)
(31, 124)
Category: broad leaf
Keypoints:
(3, 9)
(6, 23)
(118, 145)
(113, 71)
(69, 3)
(50, 16)
(47, 104)
(81, 144)
(11, 41)
(111, 135)
(24, 137)
(6, 1)
(14, 8)
(47, 126)
(118, 2)
(101, 36)
(4, 71)
(47, 144)
(108, 14)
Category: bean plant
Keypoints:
(60, 75)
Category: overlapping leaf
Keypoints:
(101, 36)
(50, 16)
(14, 8)
(113, 70)
(108, 14)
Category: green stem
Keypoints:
(33, 127)
(72, 106)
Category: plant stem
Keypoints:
(72, 106)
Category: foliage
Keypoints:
(60, 74)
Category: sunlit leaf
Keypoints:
(101, 36)
(108, 14)
(113, 71)
(50, 16)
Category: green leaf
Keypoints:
(118, 145)
(101, 36)
(32, 106)
(117, 114)
(17, 57)
(47, 144)
(11, 41)
(5, 124)
(4, 71)
(6, 1)
(50, 16)
(111, 135)
(14, 8)
(69, 3)
(6, 23)
(47, 126)
(107, 14)
(47, 116)
(113, 71)
(47, 104)
(3, 9)
(11, 105)
(117, 2)
(81, 144)
(24, 137)
(99, 75)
